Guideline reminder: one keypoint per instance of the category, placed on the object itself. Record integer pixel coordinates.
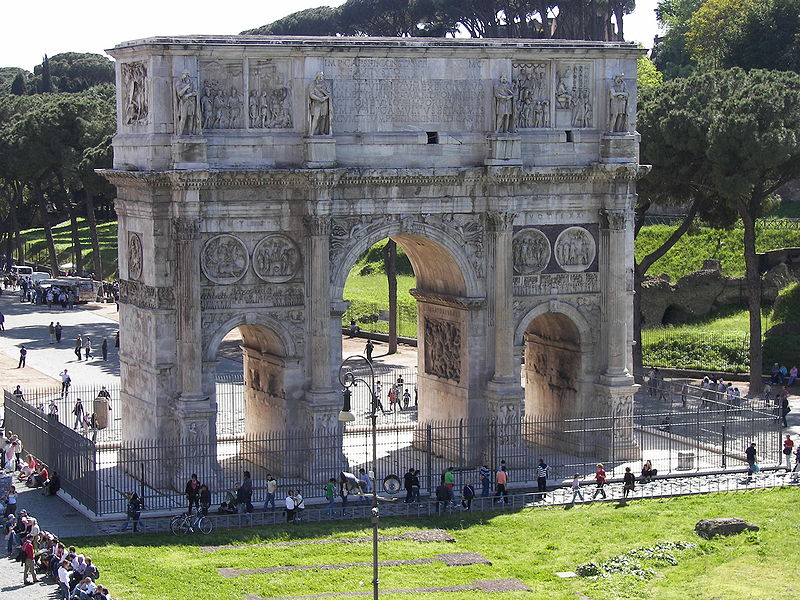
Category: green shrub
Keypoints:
(703, 351)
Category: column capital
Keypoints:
(500, 221)
(186, 229)
(614, 219)
(317, 225)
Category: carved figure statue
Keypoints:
(134, 76)
(207, 107)
(265, 109)
(234, 108)
(220, 110)
(563, 96)
(618, 104)
(254, 109)
(504, 106)
(320, 107)
(187, 114)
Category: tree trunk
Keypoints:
(48, 231)
(390, 265)
(753, 284)
(72, 209)
(97, 259)
(640, 270)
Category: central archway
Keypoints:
(445, 316)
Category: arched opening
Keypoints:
(552, 366)
(430, 309)
(255, 380)
(675, 315)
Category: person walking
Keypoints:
(87, 346)
(788, 446)
(290, 507)
(66, 381)
(244, 496)
(330, 495)
(11, 500)
(51, 329)
(600, 480)
(368, 349)
(750, 454)
(27, 548)
(104, 349)
(272, 489)
(134, 512)
(23, 354)
(501, 480)
(785, 408)
(18, 394)
(449, 481)
(542, 472)
(628, 483)
(576, 488)
(192, 492)
(485, 474)
(79, 413)
(415, 485)
(58, 329)
(2, 322)
(78, 347)
(52, 410)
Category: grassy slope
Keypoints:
(529, 545)
(107, 237)
(694, 247)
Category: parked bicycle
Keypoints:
(189, 523)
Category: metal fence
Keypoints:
(695, 438)
(762, 223)
(681, 349)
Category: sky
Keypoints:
(31, 29)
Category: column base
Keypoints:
(505, 150)
(617, 442)
(320, 152)
(619, 148)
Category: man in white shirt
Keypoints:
(63, 580)
(84, 589)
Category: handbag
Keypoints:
(755, 468)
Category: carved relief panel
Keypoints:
(269, 103)
(443, 349)
(575, 249)
(224, 259)
(135, 93)
(531, 252)
(573, 95)
(276, 258)
(532, 94)
(221, 100)
(135, 256)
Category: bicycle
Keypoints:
(189, 523)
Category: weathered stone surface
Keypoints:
(708, 528)
(252, 172)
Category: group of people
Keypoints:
(715, 389)
(85, 345)
(398, 396)
(780, 375)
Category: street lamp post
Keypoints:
(349, 380)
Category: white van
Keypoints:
(37, 276)
(22, 271)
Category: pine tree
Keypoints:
(47, 83)
(18, 85)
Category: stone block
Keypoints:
(504, 151)
(708, 528)
(320, 152)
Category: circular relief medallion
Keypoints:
(276, 258)
(135, 256)
(531, 250)
(224, 259)
(575, 249)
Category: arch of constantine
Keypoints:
(251, 173)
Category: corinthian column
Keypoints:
(187, 290)
(614, 266)
(319, 229)
(501, 305)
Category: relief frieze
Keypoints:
(443, 349)
(555, 284)
(146, 296)
(267, 295)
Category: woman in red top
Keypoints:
(600, 478)
(788, 446)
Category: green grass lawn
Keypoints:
(368, 294)
(531, 545)
(36, 245)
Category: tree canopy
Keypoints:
(724, 141)
(567, 19)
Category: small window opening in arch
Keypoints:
(433, 137)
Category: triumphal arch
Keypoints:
(253, 171)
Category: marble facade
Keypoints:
(251, 172)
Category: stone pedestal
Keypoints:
(505, 150)
(617, 441)
(190, 153)
(620, 148)
(320, 152)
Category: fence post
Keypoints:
(724, 445)
(429, 454)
